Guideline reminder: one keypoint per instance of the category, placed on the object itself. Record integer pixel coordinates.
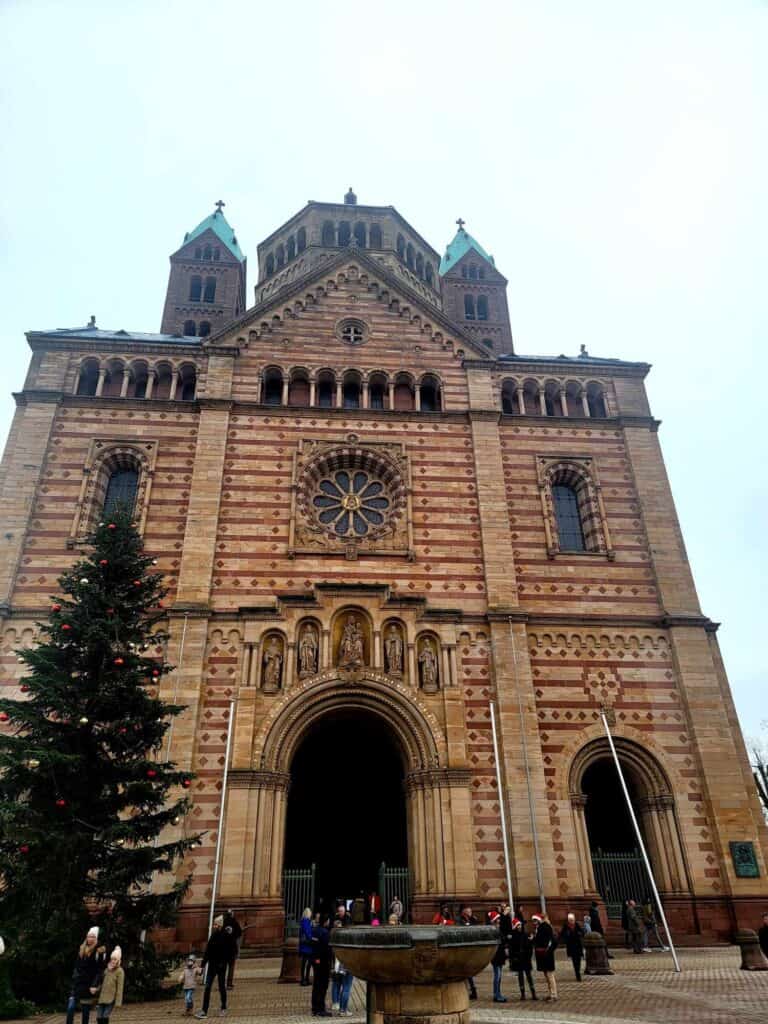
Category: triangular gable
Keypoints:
(473, 255)
(290, 301)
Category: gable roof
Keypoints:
(93, 333)
(217, 223)
(462, 243)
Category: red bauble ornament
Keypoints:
(61, 802)
(123, 731)
(186, 783)
(112, 526)
(24, 688)
(137, 583)
(3, 716)
(151, 773)
(55, 607)
(110, 611)
(66, 626)
(119, 661)
(24, 848)
(155, 672)
(103, 561)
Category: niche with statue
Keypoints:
(428, 662)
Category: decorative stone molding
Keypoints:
(580, 473)
(105, 455)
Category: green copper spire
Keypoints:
(461, 244)
(217, 222)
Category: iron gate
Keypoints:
(394, 882)
(619, 877)
(298, 893)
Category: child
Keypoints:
(188, 981)
(111, 992)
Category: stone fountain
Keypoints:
(416, 973)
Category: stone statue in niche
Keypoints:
(272, 671)
(428, 664)
(308, 652)
(351, 648)
(393, 651)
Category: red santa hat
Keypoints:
(493, 917)
(516, 922)
(536, 918)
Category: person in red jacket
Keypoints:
(444, 915)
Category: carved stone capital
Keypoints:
(243, 778)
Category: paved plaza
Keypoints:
(710, 990)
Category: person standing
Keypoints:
(505, 921)
(572, 934)
(520, 946)
(86, 977)
(232, 925)
(343, 920)
(112, 983)
(544, 945)
(396, 908)
(634, 927)
(321, 967)
(468, 919)
(499, 958)
(358, 909)
(650, 925)
(305, 945)
(444, 915)
(218, 953)
(763, 935)
(625, 922)
(341, 983)
(188, 981)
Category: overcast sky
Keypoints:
(612, 156)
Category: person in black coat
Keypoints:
(520, 948)
(221, 949)
(231, 923)
(499, 957)
(466, 917)
(571, 934)
(321, 967)
(86, 977)
(544, 946)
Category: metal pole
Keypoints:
(640, 840)
(531, 809)
(503, 806)
(220, 836)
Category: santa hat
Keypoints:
(516, 922)
(93, 932)
(493, 917)
(117, 954)
(536, 918)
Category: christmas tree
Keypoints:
(85, 794)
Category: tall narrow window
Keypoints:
(345, 233)
(429, 273)
(409, 256)
(301, 239)
(329, 233)
(569, 526)
(429, 395)
(360, 234)
(270, 265)
(419, 265)
(280, 256)
(189, 328)
(351, 392)
(121, 491)
(326, 389)
(205, 328)
(216, 253)
(88, 380)
(273, 388)
(464, 270)
(481, 273)
(375, 236)
(482, 307)
(376, 391)
(198, 253)
(210, 290)
(195, 288)
(401, 247)
(473, 271)
(207, 252)
(291, 247)
(469, 307)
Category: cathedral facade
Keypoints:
(376, 519)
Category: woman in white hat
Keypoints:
(111, 994)
(86, 977)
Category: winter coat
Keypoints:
(544, 945)
(188, 977)
(305, 936)
(87, 975)
(500, 956)
(505, 925)
(112, 987)
(520, 946)
(231, 922)
(594, 920)
(321, 949)
(634, 924)
(572, 938)
(469, 921)
(439, 919)
(221, 949)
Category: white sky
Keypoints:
(612, 156)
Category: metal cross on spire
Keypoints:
(219, 205)
(461, 224)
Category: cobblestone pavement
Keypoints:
(710, 990)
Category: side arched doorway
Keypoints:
(610, 859)
(346, 813)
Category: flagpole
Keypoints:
(222, 812)
(503, 806)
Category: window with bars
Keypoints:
(569, 526)
(121, 491)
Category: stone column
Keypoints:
(174, 386)
(413, 672)
(542, 402)
(584, 403)
(377, 652)
(150, 383)
(312, 389)
(252, 857)
(284, 395)
(654, 842)
(520, 401)
(391, 394)
(417, 398)
(563, 401)
(445, 667)
(253, 668)
(454, 667)
(365, 394)
(339, 394)
(245, 669)
(325, 649)
(578, 803)
(125, 382)
(100, 381)
(290, 665)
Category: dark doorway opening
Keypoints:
(346, 806)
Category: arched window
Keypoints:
(113, 382)
(198, 253)
(298, 389)
(207, 252)
(409, 256)
(88, 379)
(345, 233)
(185, 390)
(195, 288)
(280, 256)
(326, 390)
(429, 394)
(291, 247)
(375, 236)
(508, 398)
(205, 328)
(567, 515)
(301, 239)
(464, 270)
(329, 233)
(429, 273)
(273, 387)
(351, 391)
(401, 247)
(216, 253)
(210, 290)
(163, 378)
(121, 491)
(270, 265)
(377, 389)
(469, 307)
(138, 386)
(482, 307)
(473, 271)
(481, 273)
(190, 329)
(360, 234)
(596, 402)
(404, 400)
(419, 265)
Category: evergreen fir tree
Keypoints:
(85, 794)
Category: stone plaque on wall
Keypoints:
(744, 860)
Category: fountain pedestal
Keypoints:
(417, 974)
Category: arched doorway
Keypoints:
(346, 804)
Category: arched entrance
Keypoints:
(610, 858)
(346, 810)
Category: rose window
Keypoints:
(351, 503)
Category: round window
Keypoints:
(351, 503)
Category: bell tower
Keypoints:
(475, 293)
(206, 283)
